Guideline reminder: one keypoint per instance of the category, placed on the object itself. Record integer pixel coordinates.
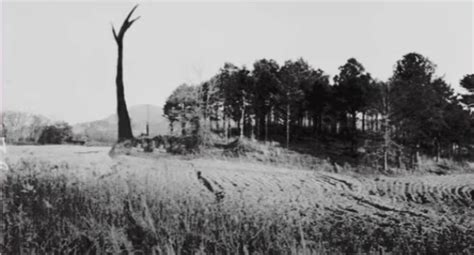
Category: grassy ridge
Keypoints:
(50, 209)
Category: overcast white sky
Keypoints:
(59, 58)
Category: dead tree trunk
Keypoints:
(124, 126)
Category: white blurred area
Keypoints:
(3, 152)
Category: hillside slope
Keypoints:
(105, 130)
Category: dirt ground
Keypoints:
(429, 196)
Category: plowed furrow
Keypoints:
(453, 190)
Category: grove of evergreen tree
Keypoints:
(413, 113)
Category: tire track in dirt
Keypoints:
(453, 190)
(300, 189)
(372, 196)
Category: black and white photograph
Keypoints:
(237, 127)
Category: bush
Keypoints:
(56, 134)
(184, 144)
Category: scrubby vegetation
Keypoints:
(50, 209)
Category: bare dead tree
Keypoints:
(124, 126)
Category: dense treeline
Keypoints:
(412, 112)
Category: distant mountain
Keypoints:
(105, 130)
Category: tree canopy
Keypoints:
(414, 111)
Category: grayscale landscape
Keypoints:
(237, 128)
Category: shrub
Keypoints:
(56, 134)
(184, 144)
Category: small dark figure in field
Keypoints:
(219, 194)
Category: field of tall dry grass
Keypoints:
(72, 199)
